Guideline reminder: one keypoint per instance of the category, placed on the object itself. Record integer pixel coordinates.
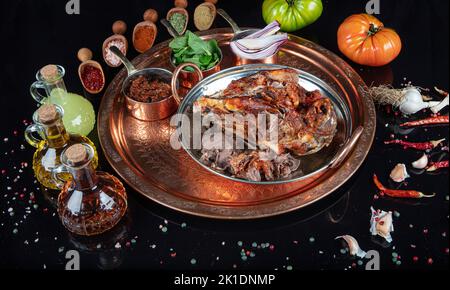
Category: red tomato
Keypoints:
(365, 40)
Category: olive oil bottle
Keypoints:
(49, 136)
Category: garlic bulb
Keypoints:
(399, 173)
(413, 102)
(408, 100)
(353, 245)
(422, 163)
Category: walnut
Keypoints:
(119, 27)
(181, 3)
(151, 15)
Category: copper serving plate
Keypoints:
(141, 153)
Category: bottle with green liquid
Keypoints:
(79, 114)
(49, 136)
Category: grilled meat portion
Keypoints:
(251, 165)
(307, 122)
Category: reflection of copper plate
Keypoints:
(141, 154)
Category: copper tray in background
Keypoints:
(141, 154)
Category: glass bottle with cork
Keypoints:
(90, 203)
(79, 114)
(49, 136)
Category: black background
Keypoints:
(36, 33)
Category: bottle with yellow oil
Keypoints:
(49, 136)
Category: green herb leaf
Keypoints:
(180, 52)
(191, 48)
(206, 59)
(195, 59)
(211, 65)
(213, 46)
(179, 43)
(197, 44)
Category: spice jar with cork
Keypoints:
(91, 202)
(49, 136)
(51, 79)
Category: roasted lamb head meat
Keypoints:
(306, 123)
(307, 120)
(251, 165)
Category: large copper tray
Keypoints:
(141, 154)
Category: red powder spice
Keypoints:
(143, 38)
(92, 78)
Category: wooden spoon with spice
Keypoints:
(179, 19)
(170, 28)
(119, 28)
(204, 16)
(90, 72)
(144, 35)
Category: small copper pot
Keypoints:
(239, 34)
(153, 111)
(189, 79)
(267, 60)
(179, 72)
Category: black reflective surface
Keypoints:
(153, 237)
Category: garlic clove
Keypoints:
(399, 173)
(384, 226)
(353, 245)
(445, 103)
(437, 142)
(442, 92)
(381, 224)
(422, 163)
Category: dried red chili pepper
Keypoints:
(419, 146)
(429, 121)
(437, 165)
(399, 193)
